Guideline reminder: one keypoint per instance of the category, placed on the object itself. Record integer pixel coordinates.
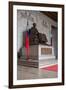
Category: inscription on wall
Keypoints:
(46, 51)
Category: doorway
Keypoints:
(54, 40)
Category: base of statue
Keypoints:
(36, 54)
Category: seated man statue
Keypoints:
(35, 37)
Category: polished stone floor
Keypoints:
(24, 73)
(44, 63)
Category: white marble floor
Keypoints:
(44, 63)
(24, 72)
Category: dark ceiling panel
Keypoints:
(52, 15)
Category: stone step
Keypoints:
(28, 63)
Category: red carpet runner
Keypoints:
(51, 68)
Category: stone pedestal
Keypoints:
(36, 54)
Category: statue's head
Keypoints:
(34, 24)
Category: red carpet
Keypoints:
(51, 68)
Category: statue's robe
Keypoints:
(35, 37)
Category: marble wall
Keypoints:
(43, 24)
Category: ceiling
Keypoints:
(52, 15)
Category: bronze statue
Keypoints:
(35, 37)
